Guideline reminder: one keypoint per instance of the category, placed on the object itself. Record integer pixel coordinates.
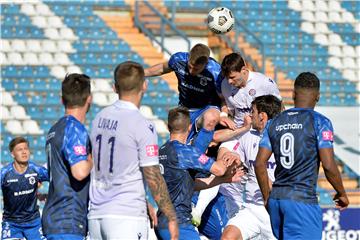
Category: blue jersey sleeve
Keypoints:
(76, 141)
(42, 173)
(324, 131)
(265, 140)
(191, 158)
(177, 57)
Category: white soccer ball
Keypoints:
(220, 20)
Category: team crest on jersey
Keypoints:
(252, 92)
(203, 81)
(32, 180)
(203, 159)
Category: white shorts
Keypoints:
(253, 222)
(124, 228)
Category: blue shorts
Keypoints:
(64, 237)
(28, 230)
(295, 220)
(186, 232)
(195, 115)
(214, 219)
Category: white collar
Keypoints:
(125, 104)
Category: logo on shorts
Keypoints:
(203, 159)
(80, 150)
(152, 150)
(252, 92)
(327, 136)
(32, 180)
(139, 235)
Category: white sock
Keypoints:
(205, 197)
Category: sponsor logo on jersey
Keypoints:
(151, 127)
(152, 150)
(79, 150)
(327, 135)
(236, 146)
(203, 159)
(30, 175)
(23, 192)
(12, 180)
(292, 113)
(288, 126)
(252, 92)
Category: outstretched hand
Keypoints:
(234, 173)
(230, 157)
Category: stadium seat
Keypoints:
(52, 33)
(307, 27)
(349, 63)
(5, 114)
(112, 97)
(15, 58)
(321, 39)
(7, 99)
(335, 51)
(40, 21)
(308, 16)
(62, 59)
(321, 17)
(3, 58)
(334, 6)
(100, 99)
(18, 45)
(294, 4)
(58, 72)
(335, 39)
(73, 69)
(65, 46)
(160, 126)
(31, 58)
(321, 27)
(5, 46)
(33, 46)
(335, 17)
(15, 127)
(43, 9)
(147, 112)
(31, 127)
(321, 5)
(67, 34)
(46, 58)
(307, 5)
(335, 62)
(28, 9)
(18, 112)
(348, 17)
(49, 46)
(54, 22)
(349, 51)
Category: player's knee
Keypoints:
(211, 119)
(231, 233)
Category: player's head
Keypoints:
(19, 149)
(129, 79)
(198, 58)
(234, 69)
(76, 91)
(306, 90)
(264, 108)
(179, 120)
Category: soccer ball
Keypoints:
(220, 20)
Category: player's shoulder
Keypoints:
(35, 166)
(8, 168)
(180, 56)
(73, 124)
(320, 117)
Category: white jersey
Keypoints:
(122, 142)
(239, 100)
(247, 147)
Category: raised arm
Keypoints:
(158, 189)
(261, 172)
(333, 176)
(157, 70)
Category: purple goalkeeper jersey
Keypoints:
(123, 141)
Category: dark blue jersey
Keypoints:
(66, 208)
(19, 192)
(200, 90)
(179, 163)
(295, 137)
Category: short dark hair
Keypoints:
(128, 76)
(307, 80)
(232, 62)
(178, 119)
(268, 104)
(75, 89)
(199, 54)
(16, 141)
